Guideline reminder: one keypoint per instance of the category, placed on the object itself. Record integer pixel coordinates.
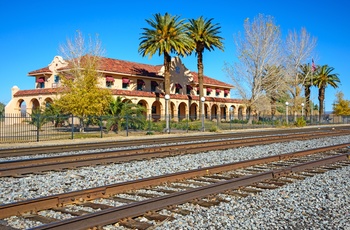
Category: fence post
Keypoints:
(72, 133)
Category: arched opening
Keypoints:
(206, 109)
(155, 111)
(21, 107)
(248, 113)
(232, 112)
(193, 111)
(240, 113)
(172, 109)
(223, 111)
(182, 111)
(214, 112)
(48, 101)
(144, 104)
(35, 104)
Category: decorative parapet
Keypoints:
(57, 63)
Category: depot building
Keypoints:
(142, 84)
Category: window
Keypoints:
(125, 83)
(109, 81)
(226, 92)
(177, 88)
(209, 91)
(41, 82)
(154, 85)
(188, 89)
(56, 78)
(217, 92)
(140, 84)
(109, 84)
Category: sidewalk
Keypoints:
(136, 136)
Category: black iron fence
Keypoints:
(28, 128)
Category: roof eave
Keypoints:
(37, 74)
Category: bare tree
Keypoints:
(77, 49)
(275, 83)
(299, 47)
(257, 48)
(81, 95)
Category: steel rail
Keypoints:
(11, 168)
(45, 148)
(113, 215)
(99, 154)
(61, 200)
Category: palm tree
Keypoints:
(305, 77)
(205, 36)
(124, 113)
(38, 118)
(323, 78)
(167, 35)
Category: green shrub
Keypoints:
(157, 126)
(276, 122)
(213, 128)
(193, 126)
(300, 122)
(239, 121)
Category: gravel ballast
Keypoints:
(319, 202)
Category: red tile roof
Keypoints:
(210, 81)
(133, 93)
(138, 69)
(127, 67)
(40, 71)
(35, 92)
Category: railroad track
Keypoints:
(18, 168)
(45, 148)
(199, 186)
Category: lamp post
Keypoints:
(287, 112)
(167, 97)
(202, 100)
(302, 110)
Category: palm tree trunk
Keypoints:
(167, 61)
(307, 100)
(200, 80)
(321, 92)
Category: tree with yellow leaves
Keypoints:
(341, 107)
(80, 95)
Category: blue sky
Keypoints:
(32, 31)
